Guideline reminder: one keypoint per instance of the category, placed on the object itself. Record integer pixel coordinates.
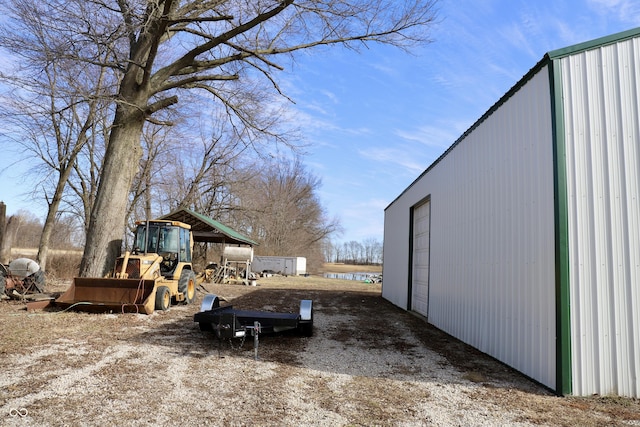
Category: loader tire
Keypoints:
(163, 298)
(187, 285)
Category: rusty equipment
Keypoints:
(157, 273)
(21, 277)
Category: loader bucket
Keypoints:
(110, 295)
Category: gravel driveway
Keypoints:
(368, 363)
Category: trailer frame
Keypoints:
(229, 322)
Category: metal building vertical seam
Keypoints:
(562, 297)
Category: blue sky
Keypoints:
(375, 120)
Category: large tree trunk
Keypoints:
(108, 215)
(124, 151)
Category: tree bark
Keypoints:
(50, 221)
(108, 215)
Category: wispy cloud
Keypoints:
(396, 159)
(385, 68)
(438, 136)
(331, 96)
(366, 226)
(623, 10)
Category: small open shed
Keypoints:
(208, 230)
(235, 248)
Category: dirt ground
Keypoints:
(368, 363)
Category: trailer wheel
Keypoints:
(163, 298)
(205, 327)
(187, 285)
(306, 329)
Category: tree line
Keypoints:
(367, 252)
(24, 230)
(275, 205)
(134, 108)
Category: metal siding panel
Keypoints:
(601, 92)
(396, 254)
(491, 276)
(420, 286)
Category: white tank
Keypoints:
(23, 267)
(238, 253)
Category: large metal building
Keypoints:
(523, 238)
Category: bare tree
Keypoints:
(368, 252)
(282, 212)
(23, 230)
(202, 178)
(4, 241)
(161, 152)
(55, 135)
(53, 113)
(328, 250)
(228, 49)
(226, 41)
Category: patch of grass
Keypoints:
(63, 266)
(475, 377)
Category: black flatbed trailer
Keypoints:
(229, 322)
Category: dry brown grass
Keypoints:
(61, 264)
(331, 267)
(368, 363)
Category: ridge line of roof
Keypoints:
(546, 59)
(601, 41)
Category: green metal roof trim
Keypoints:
(546, 59)
(564, 377)
(602, 41)
(203, 224)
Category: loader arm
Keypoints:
(150, 269)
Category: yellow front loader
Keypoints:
(155, 274)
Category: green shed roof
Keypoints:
(205, 229)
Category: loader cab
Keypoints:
(169, 239)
